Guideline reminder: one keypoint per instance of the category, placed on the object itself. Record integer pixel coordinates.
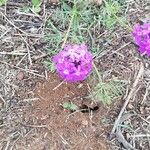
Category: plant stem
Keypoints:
(98, 74)
(123, 24)
(69, 28)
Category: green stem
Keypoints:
(123, 24)
(69, 28)
(97, 72)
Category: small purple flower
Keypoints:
(74, 62)
(141, 34)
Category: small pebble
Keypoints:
(85, 122)
(20, 75)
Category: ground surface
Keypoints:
(31, 98)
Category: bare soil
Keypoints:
(69, 130)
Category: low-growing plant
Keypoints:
(70, 106)
(2, 2)
(51, 66)
(106, 91)
(111, 14)
(77, 19)
(71, 22)
(36, 5)
(105, 120)
(24, 9)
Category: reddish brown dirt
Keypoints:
(78, 130)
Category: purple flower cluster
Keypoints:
(141, 34)
(74, 62)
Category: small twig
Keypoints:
(63, 140)
(21, 59)
(35, 58)
(144, 119)
(27, 34)
(28, 50)
(121, 48)
(26, 70)
(12, 147)
(106, 52)
(59, 85)
(34, 126)
(131, 93)
(139, 136)
(98, 74)
(67, 34)
(7, 145)
(13, 53)
(30, 99)
(77, 111)
(146, 94)
(1, 98)
(29, 14)
(5, 33)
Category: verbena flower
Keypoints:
(74, 62)
(141, 34)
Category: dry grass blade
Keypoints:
(139, 135)
(25, 33)
(2, 99)
(122, 140)
(26, 70)
(13, 53)
(131, 93)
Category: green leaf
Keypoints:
(2, 2)
(70, 106)
(36, 3)
(24, 9)
(105, 120)
(51, 66)
(37, 9)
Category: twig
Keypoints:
(5, 33)
(34, 126)
(30, 99)
(28, 50)
(1, 98)
(144, 119)
(58, 85)
(27, 34)
(35, 58)
(7, 145)
(26, 70)
(21, 59)
(139, 136)
(146, 94)
(121, 48)
(12, 147)
(113, 52)
(13, 53)
(29, 14)
(67, 34)
(63, 140)
(140, 73)
(77, 111)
